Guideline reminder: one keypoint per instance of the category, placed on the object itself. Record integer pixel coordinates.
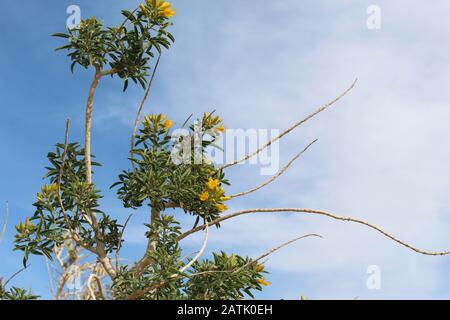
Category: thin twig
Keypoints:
(14, 275)
(187, 119)
(268, 253)
(200, 252)
(315, 212)
(275, 176)
(50, 278)
(119, 245)
(141, 107)
(5, 222)
(322, 108)
(286, 244)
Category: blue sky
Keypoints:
(382, 154)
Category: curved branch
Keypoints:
(275, 176)
(322, 108)
(119, 244)
(141, 107)
(14, 275)
(5, 222)
(316, 212)
(268, 253)
(200, 252)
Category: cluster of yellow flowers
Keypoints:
(157, 121)
(213, 122)
(163, 8)
(215, 194)
(263, 282)
(47, 192)
(25, 228)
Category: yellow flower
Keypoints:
(204, 196)
(165, 9)
(220, 192)
(263, 282)
(54, 188)
(164, 5)
(143, 9)
(221, 128)
(212, 183)
(39, 197)
(259, 268)
(167, 124)
(225, 198)
(221, 207)
(147, 121)
(168, 13)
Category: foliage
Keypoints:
(169, 170)
(15, 293)
(161, 181)
(224, 277)
(126, 49)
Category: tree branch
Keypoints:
(315, 212)
(151, 246)
(88, 124)
(200, 252)
(5, 222)
(322, 108)
(119, 245)
(275, 176)
(141, 107)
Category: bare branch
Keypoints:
(91, 291)
(50, 278)
(202, 249)
(275, 176)
(322, 108)
(119, 245)
(88, 124)
(89, 286)
(141, 107)
(14, 275)
(268, 253)
(108, 72)
(315, 212)
(5, 222)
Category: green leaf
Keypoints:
(61, 35)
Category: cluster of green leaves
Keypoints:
(166, 261)
(48, 225)
(126, 49)
(15, 293)
(160, 181)
(223, 277)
